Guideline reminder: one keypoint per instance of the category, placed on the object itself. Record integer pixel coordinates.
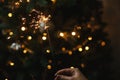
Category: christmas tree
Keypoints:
(39, 37)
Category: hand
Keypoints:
(69, 74)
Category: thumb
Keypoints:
(62, 77)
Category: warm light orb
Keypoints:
(29, 37)
(11, 63)
(8, 37)
(49, 67)
(61, 34)
(45, 34)
(63, 49)
(73, 33)
(48, 51)
(10, 14)
(103, 43)
(10, 33)
(28, 0)
(87, 48)
(82, 65)
(24, 51)
(17, 4)
(80, 49)
(78, 36)
(89, 38)
(70, 52)
(6, 79)
(44, 38)
(54, 1)
(23, 28)
(72, 67)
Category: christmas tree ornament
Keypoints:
(15, 46)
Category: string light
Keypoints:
(8, 37)
(23, 28)
(49, 67)
(72, 67)
(6, 79)
(89, 38)
(11, 63)
(44, 38)
(10, 33)
(70, 52)
(24, 51)
(103, 43)
(28, 0)
(17, 4)
(10, 14)
(29, 37)
(78, 36)
(45, 34)
(82, 65)
(63, 49)
(48, 51)
(61, 34)
(80, 49)
(54, 1)
(73, 33)
(87, 48)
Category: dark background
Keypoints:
(111, 15)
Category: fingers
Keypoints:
(67, 72)
(62, 77)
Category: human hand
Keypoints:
(69, 74)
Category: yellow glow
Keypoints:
(50, 61)
(80, 49)
(61, 34)
(6, 79)
(23, 28)
(70, 52)
(10, 33)
(22, 45)
(90, 38)
(17, 4)
(78, 36)
(24, 51)
(72, 67)
(44, 38)
(29, 37)
(63, 49)
(45, 34)
(49, 67)
(10, 14)
(54, 1)
(103, 43)
(87, 48)
(73, 33)
(11, 63)
(48, 51)
(28, 0)
(82, 65)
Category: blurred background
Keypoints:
(40, 37)
(111, 15)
